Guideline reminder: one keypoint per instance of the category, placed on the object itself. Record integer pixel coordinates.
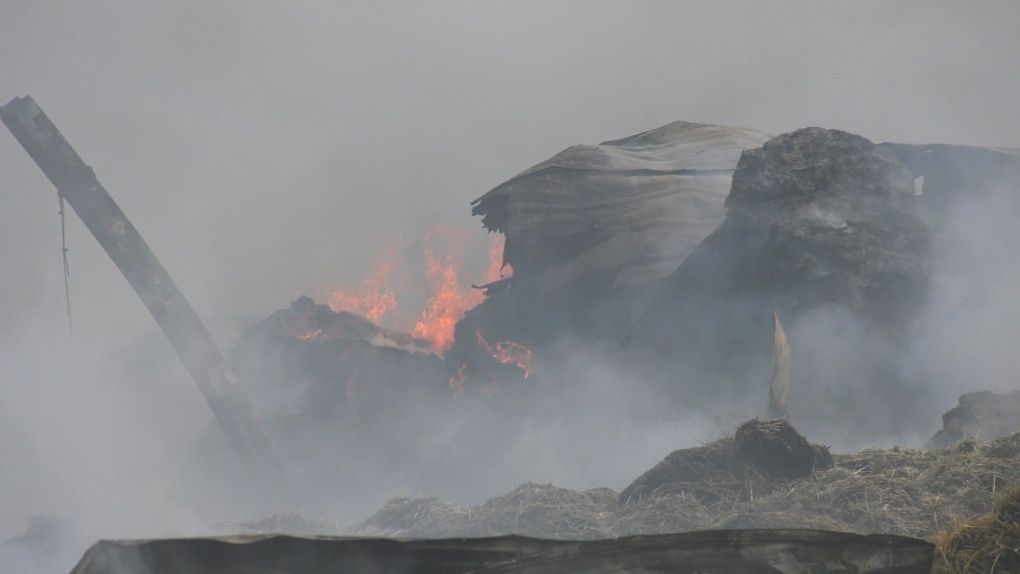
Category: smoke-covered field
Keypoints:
(269, 150)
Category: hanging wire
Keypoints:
(67, 269)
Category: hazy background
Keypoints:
(265, 150)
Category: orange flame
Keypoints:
(374, 298)
(447, 299)
(450, 299)
(508, 353)
(457, 381)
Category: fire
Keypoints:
(450, 299)
(508, 353)
(374, 298)
(447, 297)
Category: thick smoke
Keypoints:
(969, 334)
(261, 149)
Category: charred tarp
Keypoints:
(719, 552)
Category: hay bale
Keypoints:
(700, 472)
(778, 451)
(986, 545)
(980, 414)
(753, 463)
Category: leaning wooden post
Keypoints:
(77, 184)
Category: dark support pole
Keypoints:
(77, 184)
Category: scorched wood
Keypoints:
(77, 183)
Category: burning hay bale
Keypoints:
(989, 544)
(307, 321)
(315, 373)
(333, 360)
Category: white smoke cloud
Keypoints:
(260, 147)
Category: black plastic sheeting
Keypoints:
(716, 552)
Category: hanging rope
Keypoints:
(67, 270)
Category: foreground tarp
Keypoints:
(717, 551)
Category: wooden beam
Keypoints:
(77, 184)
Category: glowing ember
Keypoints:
(508, 353)
(457, 381)
(307, 335)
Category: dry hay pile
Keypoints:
(299, 522)
(987, 545)
(540, 510)
(726, 484)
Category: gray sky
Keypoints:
(267, 149)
